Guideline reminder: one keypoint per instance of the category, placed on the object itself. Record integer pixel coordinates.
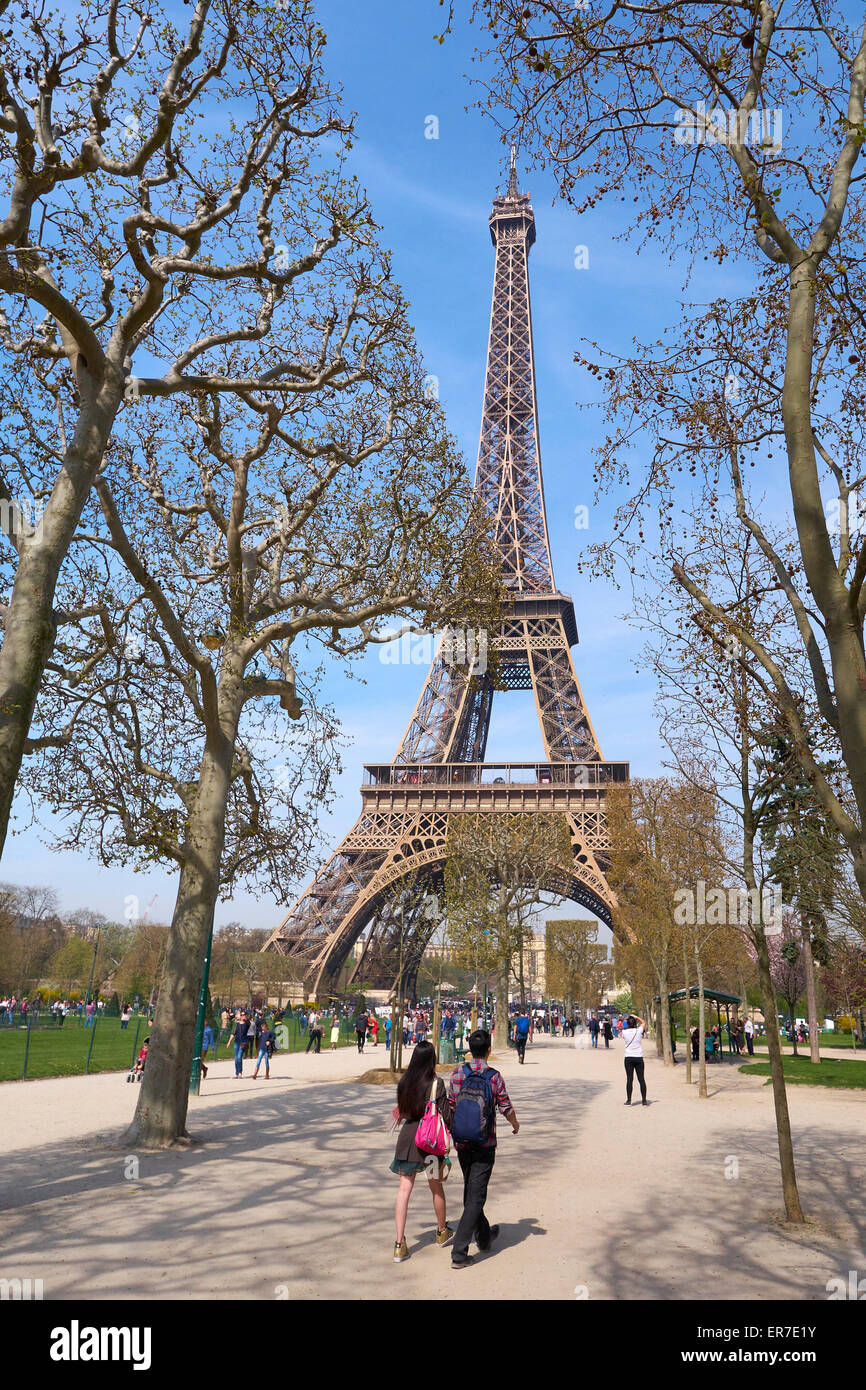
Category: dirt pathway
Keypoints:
(290, 1185)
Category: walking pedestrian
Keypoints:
(267, 1038)
(522, 1028)
(419, 1085)
(633, 1036)
(335, 1031)
(607, 1031)
(362, 1023)
(314, 1023)
(477, 1091)
(749, 1030)
(239, 1040)
(592, 1024)
(207, 1041)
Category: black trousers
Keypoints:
(520, 1044)
(361, 1036)
(634, 1068)
(477, 1165)
(315, 1040)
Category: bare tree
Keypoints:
(251, 539)
(690, 111)
(148, 171)
(496, 868)
(715, 712)
(575, 963)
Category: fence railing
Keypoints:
(37, 1045)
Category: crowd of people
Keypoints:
(89, 1011)
(741, 1038)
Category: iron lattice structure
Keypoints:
(439, 769)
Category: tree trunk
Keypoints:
(741, 982)
(160, 1115)
(500, 1035)
(793, 1210)
(688, 1002)
(664, 1016)
(30, 625)
(702, 1026)
(811, 1002)
(842, 624)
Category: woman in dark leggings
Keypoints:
(632, 1036)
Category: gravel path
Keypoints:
(290, 1182)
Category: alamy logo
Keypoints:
(460, 647)
(719, 127)
(20, 1290)
(21, 517)
(854, 1289)
(846, 514)
(717, 907)
(77, 1343)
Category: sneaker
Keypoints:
(462, 1262)
(644, 1102)
(401, 1251)
(443, 1236)
(626, 1102)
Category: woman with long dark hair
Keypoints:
(633, 1037)
(414, 1090)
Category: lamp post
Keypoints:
(92, 966)
(397, 1023)
(195, 1072)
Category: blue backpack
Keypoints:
(523, 1027)
(475, 1111)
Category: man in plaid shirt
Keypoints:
(477, 1158)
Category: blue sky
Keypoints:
(432, 198)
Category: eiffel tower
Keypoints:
(439, 768)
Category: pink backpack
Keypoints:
(433, 1136)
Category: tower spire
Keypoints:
(512, 178)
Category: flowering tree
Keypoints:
(844, 976)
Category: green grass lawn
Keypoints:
(846, 1072)
(840, 1040)
(63, 1051)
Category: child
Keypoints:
(267, 1038)
(335, 1032)
(413, 1092)
(136, 1072)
